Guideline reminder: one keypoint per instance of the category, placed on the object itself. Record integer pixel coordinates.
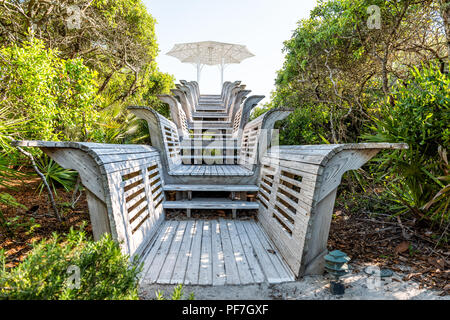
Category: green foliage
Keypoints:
(338, 74)
(159, 83)
(9, 128)
(177, 294)
(105, 273)
(18, 223)
(336, 65)
(55, 175)
(54, 95)
(307, 125)
(418, 113)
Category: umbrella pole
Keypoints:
(222, 66)
(199, 70)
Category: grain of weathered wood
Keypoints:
(262, 255)
(184, 254)
(192, 271)
(169, 263)
(161, 254)
(254, 266)
(218, 263)
(231, 271)
(245, 276)
(206, 261)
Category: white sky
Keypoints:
(261, 25)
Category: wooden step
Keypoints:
(197, 135)
(210, 103)
(212, 187)
(210, 109)
(211, 203)
(210, 139)
(190, 147)
(205, 157)
(204, 122)
(212, 126)
(201, 170)
(210, 114)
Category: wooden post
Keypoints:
(316, 243)
(98, 214)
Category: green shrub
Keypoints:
(48, 271)
(177, 294)
(418, 113)
(56, 96)
(55, 174)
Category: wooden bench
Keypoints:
(124, 187)
(255, 139)
(291, 189)
(296, 190)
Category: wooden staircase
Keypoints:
(206, 197)
(211, 149)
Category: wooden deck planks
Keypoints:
(269, 269)
(213, 252)
(231, 271)
(272, 253)
(179, 271)
(159, 250)
(205, 274)
(218, 259)
(254, 266)
(245, 275)
(171, 258)
(194, 258)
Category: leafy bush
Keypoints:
(56, 96)
(177, 294)
(417, 113)
(17, 223)
(306, 125)
(46, 273)
(55, 174)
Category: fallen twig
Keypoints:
(405, 235)
(75, 198)
(44, 180)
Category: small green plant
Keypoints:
(14, 224)
(417, 113)
(104, 272)
(177, 294)
(55, 174)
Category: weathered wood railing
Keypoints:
(257, 137)
(297, 191)
(123, 186)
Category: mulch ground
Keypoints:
(18, 244)
(378, 240)
(402, 246)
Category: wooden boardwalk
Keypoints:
(213, 252)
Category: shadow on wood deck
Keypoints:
(213, 252)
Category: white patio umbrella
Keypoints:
(210, 53)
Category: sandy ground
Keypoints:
(359, 286)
